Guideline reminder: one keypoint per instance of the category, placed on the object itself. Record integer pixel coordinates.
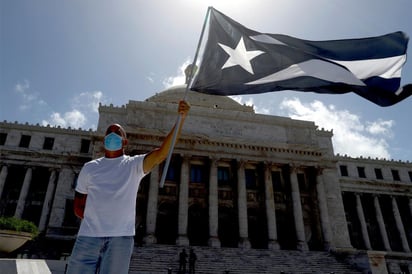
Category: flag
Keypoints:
(237, 60)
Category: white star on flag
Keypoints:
(240, 56)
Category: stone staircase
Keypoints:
(157, 259)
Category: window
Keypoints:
(277, 181)
(25, 141)
(70, 220)
(410, 175)
(197, 174)
(250, 177)
(378, 173)
(171, 174)
(343, 171)
(48, 143)
(302, 181)
(395, 175)
(223, 176)
(3, 137)
(361, 172)
(85, 146)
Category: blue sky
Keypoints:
(60, 59)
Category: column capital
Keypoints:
(268, 164)
(185, 157)
(273, 165)
(320, 170)
(214, 160)
(294, 167)
(56, 169)
(240, 163)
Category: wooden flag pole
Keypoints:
(192, 70)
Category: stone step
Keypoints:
(156, 259)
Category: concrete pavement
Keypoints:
(32, 266)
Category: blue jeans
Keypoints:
(104, 255)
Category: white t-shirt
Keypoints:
(111, 185)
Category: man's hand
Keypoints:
(157, 156)
(79, 204)
(184, 108)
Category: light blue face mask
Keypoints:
(113, 142)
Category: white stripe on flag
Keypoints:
(389, 67)
(32, 267)
(315, 68)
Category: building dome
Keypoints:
(176, 93)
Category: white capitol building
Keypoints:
(237, 179)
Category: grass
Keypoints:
(19, 225)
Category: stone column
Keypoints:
(410, 206)
(336, 210)
(399, 225)
(45, 213)
(63, 192)
(323, 211)
(270, 210)
(242, 206)
(182, 238)
(362, 221)
(297, 211)
(3, 176)
(151, 215)
(213, 205)
(381, 223)
(23, 194)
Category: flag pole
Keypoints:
(179, 117)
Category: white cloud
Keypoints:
(150, 79)
(56, 120)
(351, 135)
(84, 109)
(243, 100)
(248, 101)
(74, 119)
(380, 127)
(88, 101)
(180, 78)
(30, 99)
(22, 87)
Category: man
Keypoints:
(105, 200)
(192, 261)
(182, 261)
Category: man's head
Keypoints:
(115, 140)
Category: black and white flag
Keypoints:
(238, 60)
